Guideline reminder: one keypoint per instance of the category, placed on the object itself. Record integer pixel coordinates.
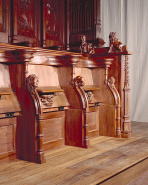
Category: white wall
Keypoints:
(129, 19)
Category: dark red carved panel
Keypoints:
(81, 15)
(26, 18)
(81, 19)
(2, 16)
(52, 13)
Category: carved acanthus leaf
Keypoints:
(47, 100)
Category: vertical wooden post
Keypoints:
(44, 21)
(86, 138)
(126, 127)
(15, 21)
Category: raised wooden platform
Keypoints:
(109, 161)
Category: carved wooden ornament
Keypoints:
(111, 84)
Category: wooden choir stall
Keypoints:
(10, 110)
(63, 98)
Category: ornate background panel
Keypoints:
(53, 19)
(2, 16)
(26, 18)
(81, 19)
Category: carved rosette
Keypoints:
(111, 84)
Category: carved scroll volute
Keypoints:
(111, 85)
(79, 83)
(31, 85)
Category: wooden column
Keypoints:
(126, 127)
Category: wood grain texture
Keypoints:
(108, 161)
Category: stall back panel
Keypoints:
(47, 74)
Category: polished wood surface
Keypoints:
(9, 111)
(46, 81)
(48, 23)
(108, 161)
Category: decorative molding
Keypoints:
(111, 85)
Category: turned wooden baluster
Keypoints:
(126, 132)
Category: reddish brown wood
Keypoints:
(120, 71)
(53, 23)
(68, 97)
(9, 110)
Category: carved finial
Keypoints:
(79, 80)
(86, 47)
(32, 83)
(115, 44)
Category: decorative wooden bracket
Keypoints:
(111, 85)
(79, 83)
(31, 85)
